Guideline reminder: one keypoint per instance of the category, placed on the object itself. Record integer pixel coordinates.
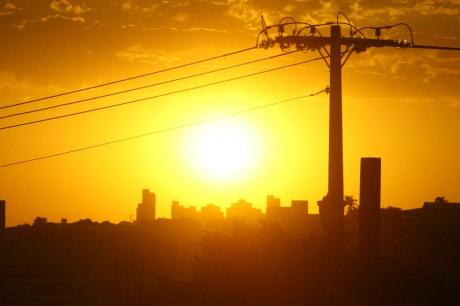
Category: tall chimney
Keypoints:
(2, 214)
(369, 212)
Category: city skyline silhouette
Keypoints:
(210, 260)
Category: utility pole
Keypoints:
(331, 207)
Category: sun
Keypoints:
(224, 150)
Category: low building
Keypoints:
(297, 211)
(440, 207)
(211, 212)
(295, 218)
(179, 212)
(243, 211)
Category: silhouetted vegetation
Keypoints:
(169, 262)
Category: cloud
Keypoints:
(147, 56)
(13, 87)
(127, 6)
(452, 101)
(174, 29)
(10, 6)
(9, 9)
(150, 9)
(26, 22)
(204, 29)
(434, 7)
(433, 71)
(244, 13)
(11, 82)
(181, 17)
(64, 6)
(449, 100)
(226, 23)
(418, 65)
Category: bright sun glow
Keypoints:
(224, 150)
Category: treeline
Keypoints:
(228, 263)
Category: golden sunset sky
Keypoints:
(400, 105)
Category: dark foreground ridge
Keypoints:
(226, 262)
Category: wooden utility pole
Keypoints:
(332, 205)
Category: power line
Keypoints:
(146, 86)
(434, 47)
(186, 125)
(128, 79)
(378, 29)
(158, 96)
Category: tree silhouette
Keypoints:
(441, 200)
(350, 203)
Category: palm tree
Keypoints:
(350, 203)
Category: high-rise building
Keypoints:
(2, 214)
(146, 210)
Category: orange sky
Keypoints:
(401, 105)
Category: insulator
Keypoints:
(360, 49)
(300, 46)
(265, 44)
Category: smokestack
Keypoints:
(369, 212)
(2, 214)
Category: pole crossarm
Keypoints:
(359, 44)
(316, 42)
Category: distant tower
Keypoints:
(2, 214)
(146, 209)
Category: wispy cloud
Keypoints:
(26, 22)
(13, 86)
(140, 54)
(425, 66)
(64, 6)
(174, 29)
(9, 9)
